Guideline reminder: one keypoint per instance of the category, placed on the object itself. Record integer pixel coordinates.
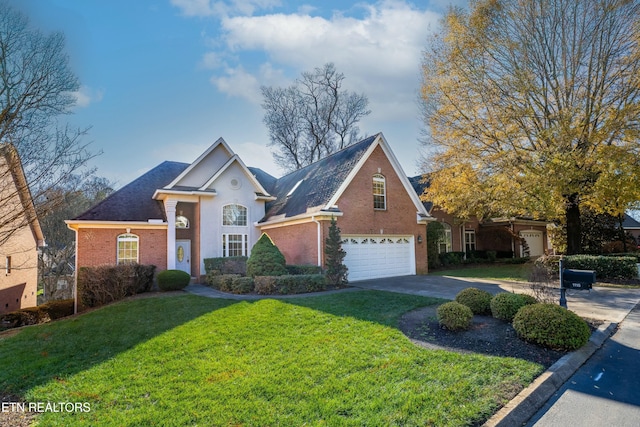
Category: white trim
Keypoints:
(245, 170)
(219, 141)
(183, 195)
(281, 221)
(76, 225)
(380, 141)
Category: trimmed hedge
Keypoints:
(226, 265)
(551, 326)
(290, 284)
(477, 300)
(610, 267)
(505, 305)
(173, 280)
(108, 283)
(303, 269)
(454, 316)
(44, 313)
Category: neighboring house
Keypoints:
(631, 226)
(20, 236)
(178, 214)
(503, 235)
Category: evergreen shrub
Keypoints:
(505, 305)
(477, 300)
(454, 316)
(266, 259)
(551, 326)
(173, 280)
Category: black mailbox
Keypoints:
(578, 279)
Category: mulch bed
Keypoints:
(487, 335)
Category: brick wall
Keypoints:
(298, 243)
(97, 246)
(18, 288)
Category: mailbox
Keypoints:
(578, 279)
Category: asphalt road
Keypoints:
(605, 391)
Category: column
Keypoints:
(170, 210)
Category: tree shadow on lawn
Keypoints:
(38, 354)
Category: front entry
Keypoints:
(183, 255)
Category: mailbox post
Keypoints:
(574, 279)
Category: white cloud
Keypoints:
(379, 53)
(86, 96)
(238, 82)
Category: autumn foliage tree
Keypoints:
(533, 108)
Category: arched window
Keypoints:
(235, 215)
(127, 249)
(379, 192)
(446, 240)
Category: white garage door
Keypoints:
(371, 257)
(534, 241)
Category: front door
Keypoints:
(183, 255)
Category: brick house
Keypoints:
(178, 214)
(20, 236)
(503, 235)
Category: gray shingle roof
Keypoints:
(134, 201)
(630, 223)
(419, 185)
(316, 183)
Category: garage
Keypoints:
(535, 242)
(376, 256)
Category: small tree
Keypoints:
(336, 271)
(266, 259)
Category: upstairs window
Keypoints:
(127, 249)
(379, 192)
(235, 215)
(182, 221)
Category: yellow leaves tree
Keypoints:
(533, 108)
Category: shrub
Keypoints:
(104, 284)
(334, 256)
(221, 282)
(242, 285)
(454, 316)
(226, 265)
(303, 269)
(266, 259)
(58, 309)
(25, 316)
(173, 280)
(551, 326)
(283, 285)
(451, 258)
(610, 267)
(505, 305)
(477, 300)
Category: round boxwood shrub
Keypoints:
(454, 316)
(551, 326)
(505, 305)
(477, 300)
(173, 280)
(266, 259)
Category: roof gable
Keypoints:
(235, 160)
(198, 173)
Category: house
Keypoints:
(502, 235)
(20, 235)
(178, 214)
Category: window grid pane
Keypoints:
(234, 215)
(127, 249)
(234, 245)
(379, 197)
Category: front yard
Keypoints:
(186, 360)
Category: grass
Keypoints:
(186, 360)
(512, 272)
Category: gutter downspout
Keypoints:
(313, 218)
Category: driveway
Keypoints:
(607, 304)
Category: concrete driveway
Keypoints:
(607, 304)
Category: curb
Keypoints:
(525, 405)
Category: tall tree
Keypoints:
(533, 107)
(37, 88)
(312, 118)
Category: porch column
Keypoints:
(170, 209)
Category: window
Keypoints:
(470, 240)
(234, 215)
(445, 242)
(182, 221)
(379, 192)
(127, 249)
(234, 245)
(8, 265)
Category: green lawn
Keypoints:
(186, 360)
(514, 272)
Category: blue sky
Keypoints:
(163, 79)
